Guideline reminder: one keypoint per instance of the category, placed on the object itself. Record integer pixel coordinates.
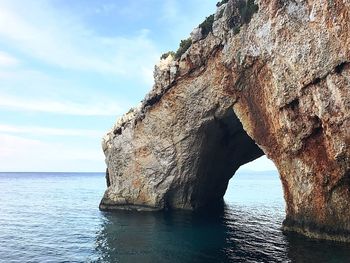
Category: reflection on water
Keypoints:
(207, 237)
(163, 237)
(246, 229)
(54, 217)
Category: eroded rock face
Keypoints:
(280, 78)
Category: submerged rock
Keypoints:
(272, 78)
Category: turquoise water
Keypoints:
(54, 217)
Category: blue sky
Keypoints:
(68, 69)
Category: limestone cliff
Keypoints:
(271, 77)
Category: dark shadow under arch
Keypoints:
(224, 147)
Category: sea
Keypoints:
(54, 217)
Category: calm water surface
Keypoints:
(54, 217)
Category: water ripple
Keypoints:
(53, 217)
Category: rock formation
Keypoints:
(272, 77)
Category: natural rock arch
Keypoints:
(181, 152)
(286, 77)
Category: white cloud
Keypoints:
(60, 107)
(38, 30)
(37, 130)
(6, 60)
(44, 34)
(22, 154)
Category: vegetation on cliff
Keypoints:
(184, 45)
(246, 10)
(207, 26)
(218, 4)
(167, 54)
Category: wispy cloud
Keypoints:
(58, 58)
(6, 60)
(59, 107)
(68, 43)
(45, 131)
(23, 154)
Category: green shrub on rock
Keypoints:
(246, 10)
(184, 45)
(207, 25)
(218, 4)
(167, 54)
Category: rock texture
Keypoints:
(273, 81)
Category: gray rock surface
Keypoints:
(196, 34)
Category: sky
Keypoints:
(69, 69)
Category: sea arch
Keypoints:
(180, 148)
(288, 87)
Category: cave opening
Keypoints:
(224, 148)
(255, 183)
(228, 157)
